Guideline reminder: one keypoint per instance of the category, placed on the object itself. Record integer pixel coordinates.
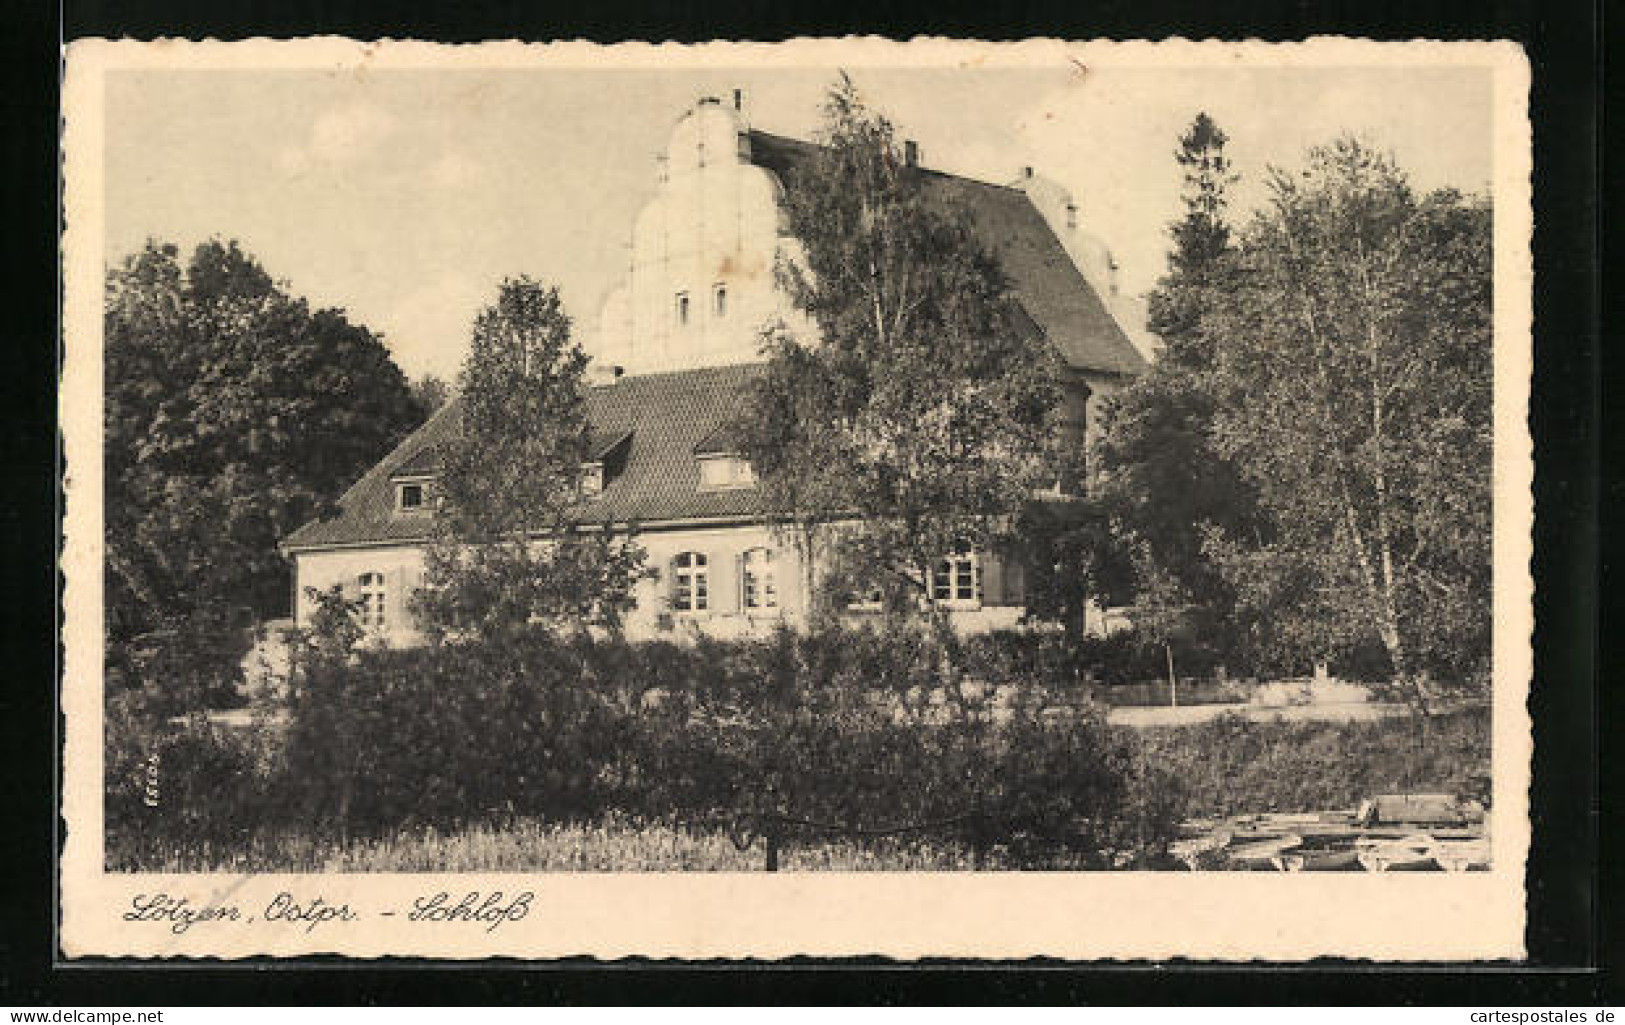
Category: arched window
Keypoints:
(690, 584)
(757, 587)
(372, 600)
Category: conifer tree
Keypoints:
(511, 551)
(1163, 479)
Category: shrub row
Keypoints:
(842, 733)
(1232, 765)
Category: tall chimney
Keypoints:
(739, 99)
(911, 153)
(1072, 216)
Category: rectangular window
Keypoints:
(957, 580)
(592, 479)
(682, 309)
(372, 600)
(757, 583)
(719, 301)
(690, 586)
(411, 497)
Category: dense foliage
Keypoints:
(922, 416)
(1354, 391)
(1304, 475)
(831, 738)
(1163, 481)
(234, 413)
(1231, 766)
(799, 737)
(509, 549)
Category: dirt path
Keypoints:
(1190, 715)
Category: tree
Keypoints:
(431, 392)
(510, 551)
(1165, 483)
(922, 419)
(1354, 391)
(234, 413)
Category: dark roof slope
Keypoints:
(666, 416)
(1043, 278)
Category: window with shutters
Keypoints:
(690, 583)
(757, 587)
(372, 596)
(957, 580)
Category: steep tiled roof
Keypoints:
(665, 420)
(666, 416)
(1043, 278)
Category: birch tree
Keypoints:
(1354, 389)
(921, 418)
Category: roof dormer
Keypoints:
(607, 452)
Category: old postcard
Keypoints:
(841, 497)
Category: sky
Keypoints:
(404, 197)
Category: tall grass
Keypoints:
(615, 844)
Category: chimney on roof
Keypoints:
(1071, 216)
(739, 99)
(1027, 172)
(911, 153)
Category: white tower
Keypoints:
(701, 283)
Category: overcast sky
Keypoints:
(404, 197)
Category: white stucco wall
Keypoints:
(1060, 211)
(402, 569)
(723, 546)
(714, 222)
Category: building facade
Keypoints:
(673, 359)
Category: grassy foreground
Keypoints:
(616, 844)
(1226, 767)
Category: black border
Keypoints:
(1566, 933)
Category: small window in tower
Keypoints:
(682, 309)
(719, 300)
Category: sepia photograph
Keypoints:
(938, 463)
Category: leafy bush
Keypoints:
(1231, 765)
(188, 779)
(832, 735)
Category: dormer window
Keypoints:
(723, 472)
(719, 300)
(607, 451)
(592, 479)
(412, 495)
(682, 309)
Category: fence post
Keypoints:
(772, 841)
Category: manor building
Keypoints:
(673, 358)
